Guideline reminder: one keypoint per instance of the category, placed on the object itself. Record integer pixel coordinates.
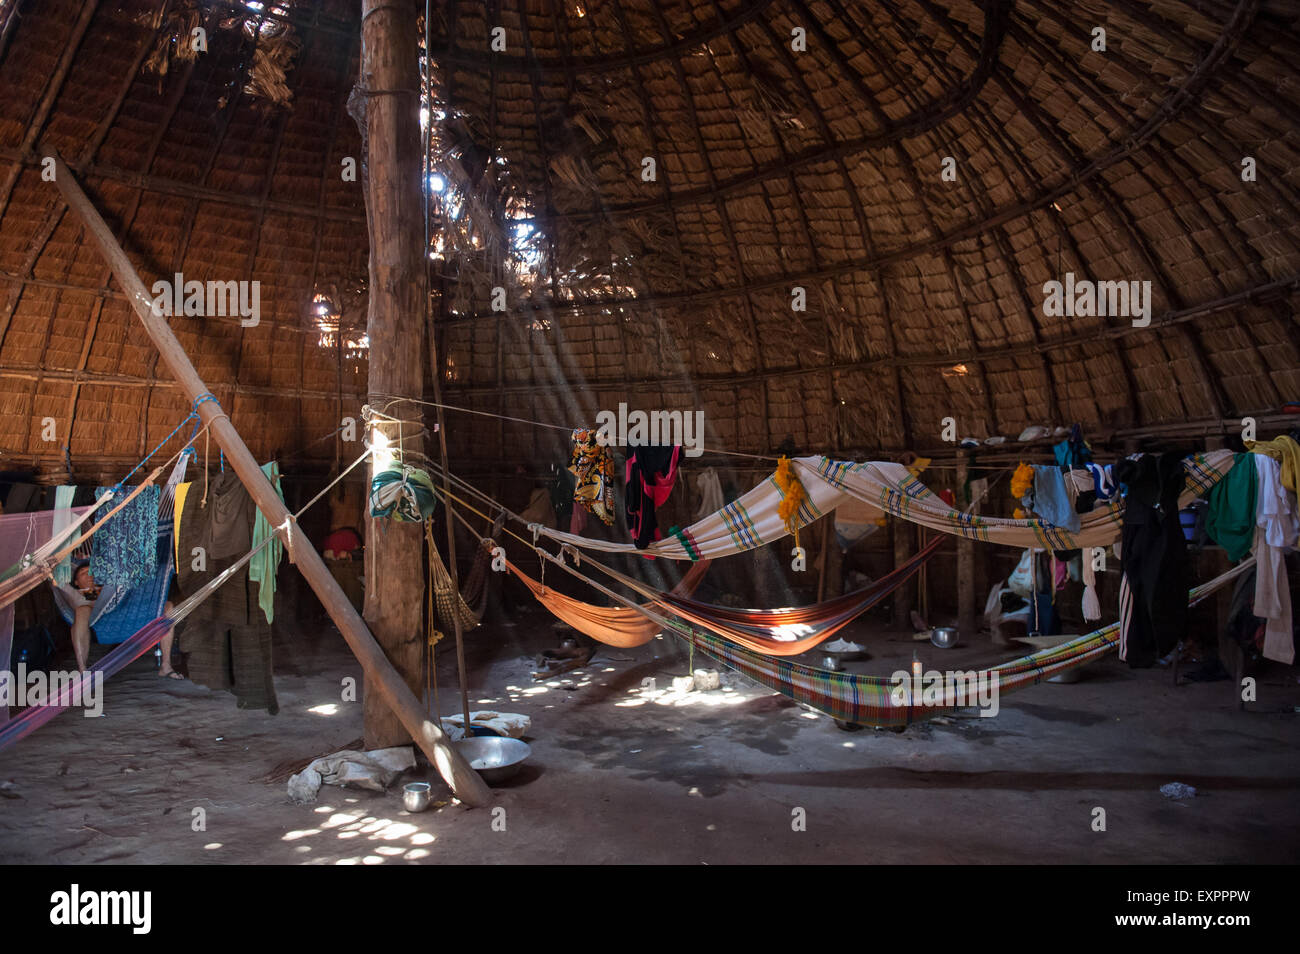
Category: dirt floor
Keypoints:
(622, 773)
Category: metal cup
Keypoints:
(415, 796)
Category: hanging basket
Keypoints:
(402, 493)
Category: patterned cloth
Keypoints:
(403, 493)
(124, 551)
(753, 520)
(593, 466)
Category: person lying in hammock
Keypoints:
(81, 595)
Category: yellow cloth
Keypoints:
(1022, 481)
(1283, 450)
(181, 491)
(918, 465)
(792, 497)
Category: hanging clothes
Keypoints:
(561, 487)
(124, 551)
(227, 638)
(708, 493)
(651, 473)
(262, 567)
(1074, 451)
(593, 466)
(1156, 575)
(1285, 451)
(1052, 501)
(62, 519)
(540, 509)
(1230, 518)
(1277, 529)
(229, 516)
(181, 491)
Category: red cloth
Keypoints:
(342, 541)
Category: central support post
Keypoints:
(390, 85)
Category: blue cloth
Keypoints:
(124, 551)
(1051, 502)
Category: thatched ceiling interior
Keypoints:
(776, 168)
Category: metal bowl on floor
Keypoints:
(496, 758)
(944, 637)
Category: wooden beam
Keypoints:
(389, 88)
(163, 185)
(379, 672)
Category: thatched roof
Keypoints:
(777, 168)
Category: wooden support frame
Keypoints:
(381, 675)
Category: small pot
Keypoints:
(415, 796)
(944, 637)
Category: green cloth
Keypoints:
(261, 569)
(1230, 521)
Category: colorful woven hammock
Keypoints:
(753, 628)
(875, 700)
(625, 627)
(621, 627)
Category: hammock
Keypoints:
(450, 603)
(148, 635)
(875, 700)
(752, 628)
(118, 611)
(754, 519)
(622, 628)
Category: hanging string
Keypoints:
(568, 429)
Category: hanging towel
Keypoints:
(708, 492)
(62, 518)
(651, 473)
(1230, 520)
(1284, 450)
(124, 551)
(1052, 501)
(181, 491)
(1277, 529)
(262, 568)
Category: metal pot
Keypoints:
(944, 637)
(415, 796)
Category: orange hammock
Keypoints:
(625, 627)
(614, 626)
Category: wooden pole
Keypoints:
(389, 92)
(463, 780)
(903, 595)
(965, 563)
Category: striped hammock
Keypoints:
(753, 520)
(877, 700)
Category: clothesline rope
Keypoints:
(568, 429)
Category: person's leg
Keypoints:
(81, 635)
(165, 645)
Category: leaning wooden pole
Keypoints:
(464, 781)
